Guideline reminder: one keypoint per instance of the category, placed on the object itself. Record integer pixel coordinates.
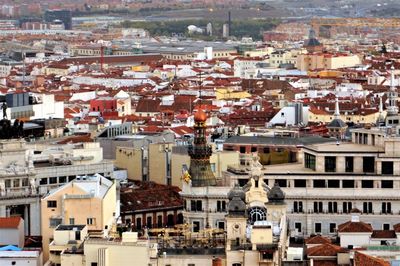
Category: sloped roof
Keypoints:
(318, 240)
(148, 105)
(355, 227)
(367, 260)
(384, 234)
(149, 196)
(325, 250)
(10, 222)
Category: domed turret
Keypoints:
(236, 205)
(236, 191)
(276, 195)
(200, 116)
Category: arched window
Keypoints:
(257, 214)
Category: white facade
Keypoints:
(21, 258)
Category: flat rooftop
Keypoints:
(275, 140)
(344, 147)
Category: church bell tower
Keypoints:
(200, 153)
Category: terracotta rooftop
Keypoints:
(318, 240)
(325, 250)
(354, 227)
(10, 222)
(361, 259)
(145, 196)
(383, 234)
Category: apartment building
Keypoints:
(96, 195)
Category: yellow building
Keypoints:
(322, 116)
(225, 94)
(108, 252)
(89, 200)
(306, 62)
(219, 161)
(66, 236)
(166, 162)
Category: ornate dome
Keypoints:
(276, 195)
(238, 192)
(200, 116)
(236, 205)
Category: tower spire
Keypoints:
(200, 153)
(337, 111)
(392, 109)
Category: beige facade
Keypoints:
(219, 161)
(165, 160)
(362, 118)
(306, 62)
(127, 251)
(95, 195)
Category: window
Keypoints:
(348, 183)
(332, 228)
(349, 164)
(367, 184)
(52, 204)
(387, 168)
(309, 161)
(297, 206)
(242, 149)
(317, 227)
(25, 182)
(330, 164)
(7, 183)
(367, 207)
(71, 220)
(319, 183)
(253, 149)
(199, 205)
(149, 222)
(236, 264)
(159, 221)
(266, 150)
(196, 226)
(333, 183)
(347, 206)
(54, 222)
(90, 221)
(297, 226)
(53, 180)
(62, 179)
(386, 226)
(281, 182)
(221, 225)
(191, 264)
(93, 264)
(221, 206)
(386, 207)
(387, 183)
(368, 164)
(300, 183)
(332, 207)
(318, 206)
(138, 223)
(16, 183)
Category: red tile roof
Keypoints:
(318, 240)
(383, 234)
(147, 196)
(325, 250)
(361, 259)
(10, 222)
(354, 227)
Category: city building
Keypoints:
(65, 16)
(12, 231)
(63, 205)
